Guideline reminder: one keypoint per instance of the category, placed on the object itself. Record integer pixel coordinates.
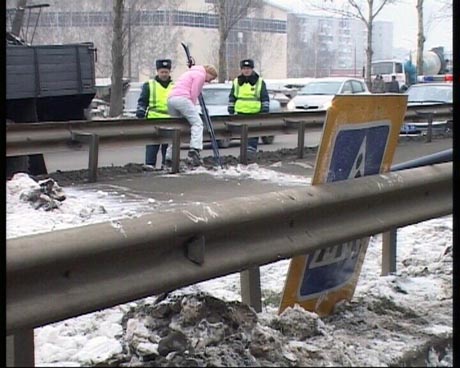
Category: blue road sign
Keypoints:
(358, 151)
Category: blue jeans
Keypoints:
(151, 152)
(252, 144)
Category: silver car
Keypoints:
(317, 95)
(215, 97)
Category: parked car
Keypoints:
(428, 94)
(130, 99)
(289, 86)
(317, 95)
(215, 97)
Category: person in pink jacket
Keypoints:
(181, 103)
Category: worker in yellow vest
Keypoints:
(152, 104)
(249, 95)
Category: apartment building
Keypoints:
(322, 46)
(382, 40)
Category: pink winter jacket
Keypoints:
(190, 84)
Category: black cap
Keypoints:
(163, 63)
(247, 63)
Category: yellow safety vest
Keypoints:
(247, 97)
(158, 100)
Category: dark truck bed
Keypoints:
(46, 83)
(49, 82)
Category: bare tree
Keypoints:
(364, 10)
(116, 92)
(229, 13)
(210, 54)
(263, 46)
(445, 10)
(162, 43)
(442, 14)
(298, 59)
(420, 37)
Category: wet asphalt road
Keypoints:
(186, 188)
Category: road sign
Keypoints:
(360, 136)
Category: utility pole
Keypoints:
(420, 37)
(17, 24)
(18, 18)
(354, 59)
(129, 43)
(316, 55)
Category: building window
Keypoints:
(157, 18)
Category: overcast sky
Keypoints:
(404, 18)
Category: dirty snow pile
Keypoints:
(401, 319)
(36, 207)
(254, 172)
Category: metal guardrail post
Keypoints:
(244, 145)
(93, 141)
(301, 139)
(20, 349)
(243, 130)
(389, 252)
(250, 288)
(174, 133)
(175, 151)
(300, 136)
(429, 117)
(389, 239)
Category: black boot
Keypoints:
(193, 158)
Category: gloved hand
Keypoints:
(231, 110)
(265, 109)
(191, 62)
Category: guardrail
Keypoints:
(68, 275)
(78, 277)
(47, 137)
(31, 138)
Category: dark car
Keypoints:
(423, 94)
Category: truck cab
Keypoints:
(389, 67)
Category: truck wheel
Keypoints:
(268, 139)
(16, 164)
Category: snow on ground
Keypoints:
(81, 207)
(254, 172)
(387, 315)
